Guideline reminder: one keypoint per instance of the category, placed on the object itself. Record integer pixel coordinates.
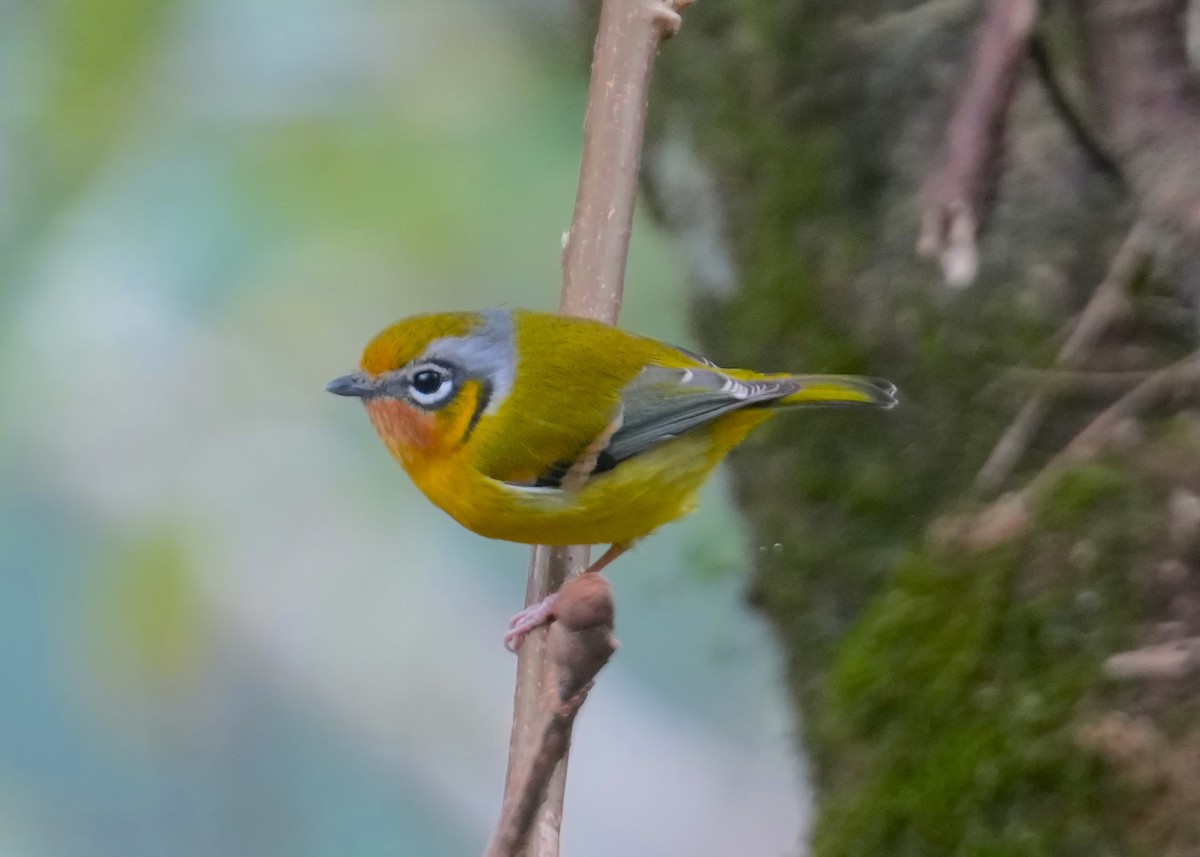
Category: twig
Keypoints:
(594, 258)
(1063, 383)
(1182, 378)
(1009, 515)
(598, 244)
(1107, 302)
(1012, 444)
(578, 644)
(1091, 147)
(957, 191)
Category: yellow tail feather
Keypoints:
(834, 390)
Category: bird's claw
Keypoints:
(531, 617)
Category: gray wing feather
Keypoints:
(662, 403)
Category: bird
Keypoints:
(549, 429)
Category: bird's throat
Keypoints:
(408, 433)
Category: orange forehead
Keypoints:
(405, 340)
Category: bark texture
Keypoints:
(952, 693)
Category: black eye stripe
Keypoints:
(485, 396)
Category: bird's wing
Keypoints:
(662, 403)
(659, 404)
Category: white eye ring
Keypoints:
(434, 396)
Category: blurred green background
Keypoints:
(228, 623)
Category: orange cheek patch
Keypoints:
(403, 429)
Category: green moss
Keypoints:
(953, 704)
(1081, 492)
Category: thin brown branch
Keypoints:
(1063, 383)
(1012, 444)
(1009, 515)
(578, 644)
(958, 190)
(1180, 379)
(1107, 302)
(593, 280)
(1072, 119)
(597, 245)
(548, 568)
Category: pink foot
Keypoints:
(528, 619)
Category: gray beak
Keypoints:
(355, 384)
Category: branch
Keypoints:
(1091, 147)
(958, 189)
(1066, 384)
(598, 243)
(1010, 515)
(1107, 302)
(578, 644)
(594, 258)
(1181, 379)
(1150, 105)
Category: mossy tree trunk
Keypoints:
(953, 698)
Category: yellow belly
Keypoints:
(619, 506)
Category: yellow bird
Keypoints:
(547, 429)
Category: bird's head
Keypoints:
(428, 380)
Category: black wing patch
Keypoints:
(553, 478)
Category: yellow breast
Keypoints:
(619, 506)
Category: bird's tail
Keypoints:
(838, 391)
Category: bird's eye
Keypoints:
(427, 382)
(430, 386)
